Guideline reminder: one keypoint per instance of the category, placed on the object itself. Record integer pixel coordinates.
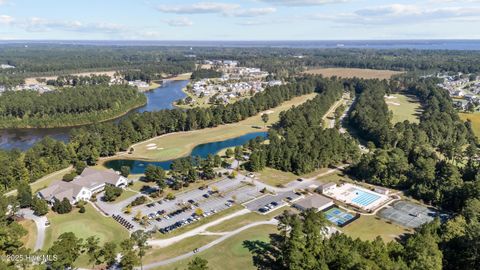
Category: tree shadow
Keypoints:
(264, 254)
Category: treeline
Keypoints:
(73, 80)
(302, 243)
(420, 158)
(67, 107)
(298, 143)
(203, 73)
(153, 72)
(9, 82)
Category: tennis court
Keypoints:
(339, 217)
(408, 214)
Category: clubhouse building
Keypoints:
(82, 187)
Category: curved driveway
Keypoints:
(40, 224)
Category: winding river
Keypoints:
(202, 150)
(157, 99)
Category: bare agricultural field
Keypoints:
(33, 80)
(354, 72)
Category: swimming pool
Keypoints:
(338, 217)
(364, 198)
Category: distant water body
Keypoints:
(360, 44)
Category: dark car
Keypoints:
(206, 195)
(191, 201)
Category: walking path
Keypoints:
(209, 245)
(196, 231)
(40, 225)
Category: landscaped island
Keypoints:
(72, 106)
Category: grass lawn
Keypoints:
(84, 225)
(404, 107)
(475, 119)
(29, 239)
(180, 144)
(230, 254)
(369, 227)
(179, 248)
(354, 72)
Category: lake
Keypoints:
(157, 99)
(201, 150)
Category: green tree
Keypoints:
(125, 171)
(39, 206)
(93, 250)
(265, 118)
(140, 239)
(66, 249)
(198, 264)
(109, 253)
(24, 194)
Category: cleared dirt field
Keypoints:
(354, 72)
(33, 80)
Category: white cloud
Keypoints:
(400, 14)
(303, 2)
(216, 8)
(40, 25)
(253, 12)
(199, 8)
(5, 19)
(179, 22)
(3, 2)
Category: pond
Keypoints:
(202, 150)
(157, 99)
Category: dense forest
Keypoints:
(424, 159)
(73, 80)
(67, 107)
(202, 73)
(299, 144)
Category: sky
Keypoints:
(239, 20)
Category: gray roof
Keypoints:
(60, 190)
(91, 178)
(314, 201)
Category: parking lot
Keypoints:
(408, 214)
(270, 202)
(166, 215)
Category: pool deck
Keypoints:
(358, 197)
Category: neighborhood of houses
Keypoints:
(235, 82)
(464, 90)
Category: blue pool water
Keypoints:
(202, 150)
(364, 198)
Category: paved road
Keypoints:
(40, 224)
(209, 245)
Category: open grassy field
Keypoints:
(29, 239)
(275, 177)
(231, 253)
(475, 119)
(179, 248)
(84, 225)
(404, 107)
(175, 145)
(354, 72)
(369, 227)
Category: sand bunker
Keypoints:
(151, 148)
(269, 112)
(152, 144)
(390, 97)
(394, 103)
